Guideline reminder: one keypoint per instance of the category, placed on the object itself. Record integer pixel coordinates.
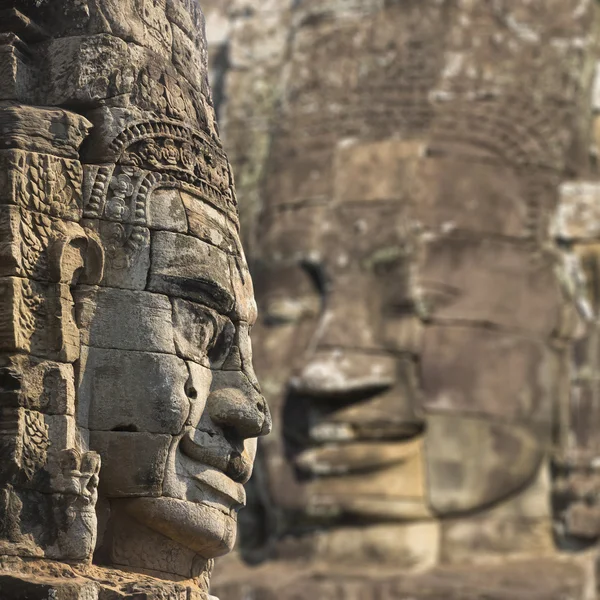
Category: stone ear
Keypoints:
(75, 255)
(93, 267)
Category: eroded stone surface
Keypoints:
(129, 406)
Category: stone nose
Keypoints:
(338, 373)
(234, 403)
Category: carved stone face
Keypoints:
(380, 307)
(167, 388)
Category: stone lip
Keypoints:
(235, 465)
(336, 459)
(199, 527)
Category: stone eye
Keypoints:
(222, 341)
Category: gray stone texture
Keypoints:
(129, 408)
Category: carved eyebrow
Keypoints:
(201, 290)
(185, 267)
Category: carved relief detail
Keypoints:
(151, 155)
(36, 231)
(160, 93)
(46, 184)
(32, 314)
(173, 149)
(124, 243)
(35, 443)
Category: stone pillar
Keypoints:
(129, 406)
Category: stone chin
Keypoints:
(203, 529)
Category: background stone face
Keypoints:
(418, 191)
(129, 406)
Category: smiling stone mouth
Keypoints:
(213, 449)
(232, 493)
(354, 457)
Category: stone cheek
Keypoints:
(121, 476)
(146, 391)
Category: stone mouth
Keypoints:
(216, 469)
(373, 430)
(356, 456)
(213, 449)
(232, 492)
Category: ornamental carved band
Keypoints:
(129, 405)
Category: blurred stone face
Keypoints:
(419, 382)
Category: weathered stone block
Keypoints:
(147, 391)
(583, 521)
(584, 415)
(62, 430)
(120, 476)
(521, 523)
(17, 76)
(127, 253)
(24, 442)
(44, 248)
(258, 42)
(375, 171)
(166, 211)
(309, 181)
(185, 15)
(185, 54)
(36, 384)
(48, 131)
(294, 232)
(469, 193)
(13, 586)
(10, 247)
(37, 318)
(86, 69)
(405, 546)
(43, 183)
(124, 320)
(208, 224)
(577, 215)
(186, 267)
(245, 304)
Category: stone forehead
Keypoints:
(321, 230)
